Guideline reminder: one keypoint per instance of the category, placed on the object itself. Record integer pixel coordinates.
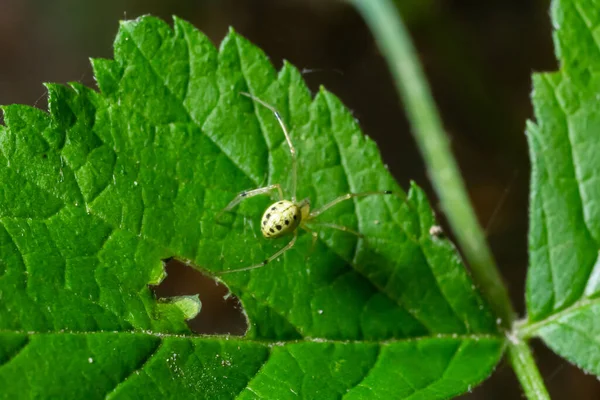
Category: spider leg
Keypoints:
(250, 193)
(315, 237)
(287, 138)
(349, 196)
(338, 227)
(268, 260)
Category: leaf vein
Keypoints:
(569, 141)
(433, 382)
(137, 370)
(367, 373)
(15, 352)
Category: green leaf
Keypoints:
(563, 279)
(101, 190)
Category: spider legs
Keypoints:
(287, 138)
(251, 193)
(268, 260)
(349, 196)
(337, 227)
(315, 235)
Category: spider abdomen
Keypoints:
(280, 219)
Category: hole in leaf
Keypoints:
(221, 311)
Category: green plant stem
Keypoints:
(524, 365)
(394, 42)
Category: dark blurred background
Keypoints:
(478, 56)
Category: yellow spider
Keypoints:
(285, 216)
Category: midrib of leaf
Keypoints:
(525, 329)
(474, 337)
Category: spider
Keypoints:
(284, 217)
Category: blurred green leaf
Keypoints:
(563, 281)
(101, 190)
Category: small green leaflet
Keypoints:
(99, 191)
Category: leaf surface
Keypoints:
(97, 193)
(563, 282)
